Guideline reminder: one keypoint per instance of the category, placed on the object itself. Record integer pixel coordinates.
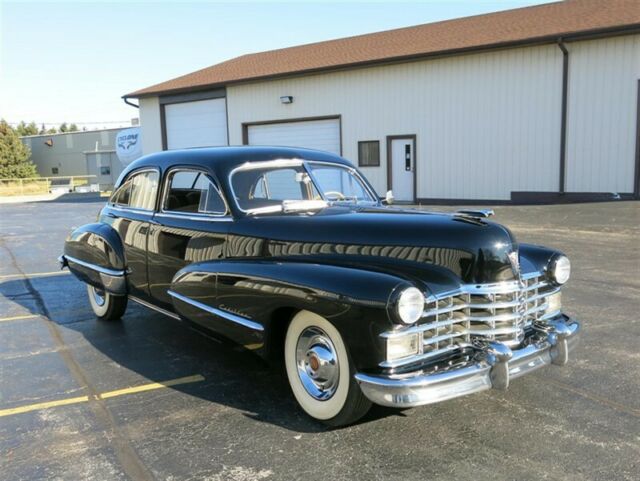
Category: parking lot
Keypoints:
(148, 398)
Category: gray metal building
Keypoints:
(77, 153)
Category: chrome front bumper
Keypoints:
(493, 366)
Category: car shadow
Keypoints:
(159, 348)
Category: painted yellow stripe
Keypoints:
(18, 318)
(39, 406)
(35, 274)
(152, 386)
(109, 394)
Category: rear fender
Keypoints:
(239, 299)
(94, 254)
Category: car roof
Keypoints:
(223, 159)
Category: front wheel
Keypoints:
(320, 372)
(106, 306)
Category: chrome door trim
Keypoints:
(155, 308)
(243, 321)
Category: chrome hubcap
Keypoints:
(317, 363)
(99, 296)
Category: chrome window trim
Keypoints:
(243, 321)
(130, 176)
(194, 216)
(100, 269)
(294, 163)
(191, 215)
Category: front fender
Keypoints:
(94, 253)
(227, 292)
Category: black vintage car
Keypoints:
(290, 253)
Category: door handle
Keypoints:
(407, 158)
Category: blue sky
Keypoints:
(73, 61)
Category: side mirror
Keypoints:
(388, 199)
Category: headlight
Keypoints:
(560, 269)
(410, 305)
(399, 347)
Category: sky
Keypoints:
(72, 61)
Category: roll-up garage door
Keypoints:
(311, 134)
(202, 123)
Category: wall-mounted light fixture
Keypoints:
(286, 99)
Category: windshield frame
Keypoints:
(283, 163)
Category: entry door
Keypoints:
(402, 170)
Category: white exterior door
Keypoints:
(402, 168)
(202, 123)
(310, 134)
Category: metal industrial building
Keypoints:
(532, 104)
(91, 152)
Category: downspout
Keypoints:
(128, 102)
(563, 120)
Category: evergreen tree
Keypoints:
(15, 157)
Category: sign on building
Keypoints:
(129, 145)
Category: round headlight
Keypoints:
(410, 305)
(560, 269)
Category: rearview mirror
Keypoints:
(388, 199)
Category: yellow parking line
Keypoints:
(152, 386)
(120, 392)
(19, 318)
(35, 274)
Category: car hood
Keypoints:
(474, 250)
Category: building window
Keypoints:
(54, 170)
(105, 170)
(369, 153)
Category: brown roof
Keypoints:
(542, 23)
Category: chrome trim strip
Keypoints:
(193, 216)
(170, 314)
(494, 366)
(243, 321)
(101, 270)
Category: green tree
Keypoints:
(63, 127)
(73, 128)
(26, 129)
(15, 157)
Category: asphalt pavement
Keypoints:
(148, 398)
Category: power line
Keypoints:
(76, 122)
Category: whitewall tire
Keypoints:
(320, 371)
(106, 306)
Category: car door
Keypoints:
(129, 212)
(191, 226)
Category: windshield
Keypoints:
(268, 186)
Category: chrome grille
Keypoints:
(499, 312)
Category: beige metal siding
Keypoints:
(602, 110)
(486, 124)
(150, 125)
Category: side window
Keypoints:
(193, 192)
(281, 184)
(144, 187)
(122, 194)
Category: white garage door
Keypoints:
(311, 134)
(202, 123)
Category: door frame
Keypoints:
(390, 139)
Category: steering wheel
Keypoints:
(335, 193)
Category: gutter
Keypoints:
(563, 114)
(128, 102)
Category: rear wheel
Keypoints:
(320, 372)
(106, 306)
